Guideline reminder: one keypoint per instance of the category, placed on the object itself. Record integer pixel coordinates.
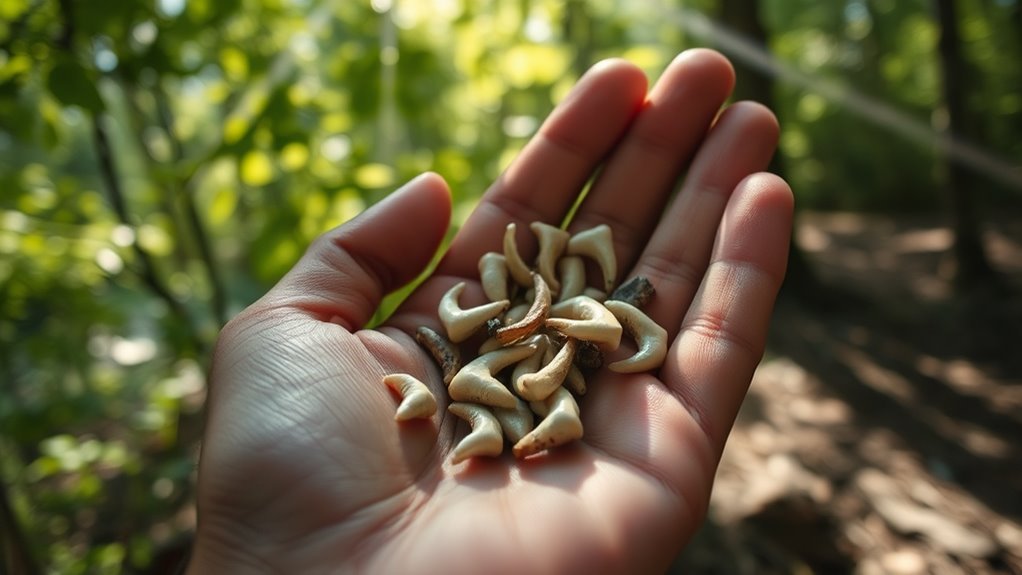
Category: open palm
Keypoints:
(304, 469)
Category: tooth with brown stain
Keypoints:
(533, 320)
(560, 425)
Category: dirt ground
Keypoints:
(881, 433)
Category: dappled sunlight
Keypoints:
(162, 164)
(1000, 395)
(890, 256)
(817, 52)
(883, 430)
(871, 373)
(932, 240)
(803, 458)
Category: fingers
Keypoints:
(638, 179)
(346, 271)
(740, 143)
(546, 178)
(722, 337)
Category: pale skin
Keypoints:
(303, 468)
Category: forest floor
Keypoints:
(882, 431)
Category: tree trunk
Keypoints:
(15, 553)
(577, 29)
(972, 266)
(743, 17)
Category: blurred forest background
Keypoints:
(163, 162)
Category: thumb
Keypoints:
(346, 272)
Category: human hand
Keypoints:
(303, 468)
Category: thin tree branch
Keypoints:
(109, 175)
(148, 273)
(139, 124)
(218, 302)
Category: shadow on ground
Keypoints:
(882, 430)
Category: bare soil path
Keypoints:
(882, 431)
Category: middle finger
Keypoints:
(639, 177)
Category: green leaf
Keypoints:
(71, 85)
(12, 9)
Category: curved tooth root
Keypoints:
(417, 402)
(517, 313)
(520, 271)
(597, 243)
(582, 317)
(552, 241)
(476, 382)
(572, 270)
(493, 276)
(517, 422)
(460, 323)
(575, 381)
(486, 437)
(533, 320)
(561, 425)
(532, 363)
(539, 385)
(650, 338)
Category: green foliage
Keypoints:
(884, 54)
(239, 130)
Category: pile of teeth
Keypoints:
(546, 329)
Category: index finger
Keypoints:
(545, 180)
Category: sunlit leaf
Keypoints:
(11, 9)
(234, 63)
(372, 176)
(43, 467)
(222, 207)
(294, 156)
(526, 64)
(234, 128)
(273, 262)
(347, 205)
(256, 168)
(155, 239)
(648, 57)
